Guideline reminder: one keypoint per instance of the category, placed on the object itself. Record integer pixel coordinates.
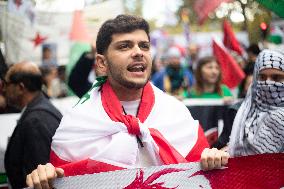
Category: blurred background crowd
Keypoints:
(197, 53)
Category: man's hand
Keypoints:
(43, 176)
(213, 159)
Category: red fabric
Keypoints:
(249, 172)
(87, 166)
(230, 41)
(113, 108)
(204, 7)
(168, 154)
(202, 143)
(55, 160)
(232, 74)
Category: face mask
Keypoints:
(270, 93)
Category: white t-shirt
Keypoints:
(143, 158)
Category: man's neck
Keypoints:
(29, 97)
(125, 94)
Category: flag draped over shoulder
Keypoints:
(230, 41)
(232, 74)
(276, 6)
(96, 136)
(204, 7)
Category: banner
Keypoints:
(24, 39)
(253, 172)
(94, 15)
(36, 35)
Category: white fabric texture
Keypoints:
(259, 124)
(87, 132)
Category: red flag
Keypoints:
(231, 72)
(204, 7)
(230, 40)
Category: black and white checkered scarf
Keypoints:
(259, 124)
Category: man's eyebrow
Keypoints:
(123, 41)
(144, 41)
(129, 41)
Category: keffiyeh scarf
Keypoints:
(259, 124)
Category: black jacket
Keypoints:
(229, 118)
(30, 142)
(78, 79)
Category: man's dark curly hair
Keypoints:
(121, 24)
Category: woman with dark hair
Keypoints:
(208, 80)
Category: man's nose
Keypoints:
(137, 52)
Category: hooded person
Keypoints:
(258, 126)
(174, 78)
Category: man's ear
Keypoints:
(21, 87)
(101, 63)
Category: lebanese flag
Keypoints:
(96, 136)
(204, 7)
(232, 74)
(230, 41)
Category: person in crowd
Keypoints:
(244, 85)
(4, 107)
(30, 142)
(79, 77)
(231, 111)
(174, 79)
(48, 56)
(258, 126)
(3, 103)
(252, 52)
(3, 70)
(49, 79)
(125, 121)
(61, 86)
(229, 116)
(193, 52)
(208, 80)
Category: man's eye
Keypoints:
(145, 46)
(123, 46)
